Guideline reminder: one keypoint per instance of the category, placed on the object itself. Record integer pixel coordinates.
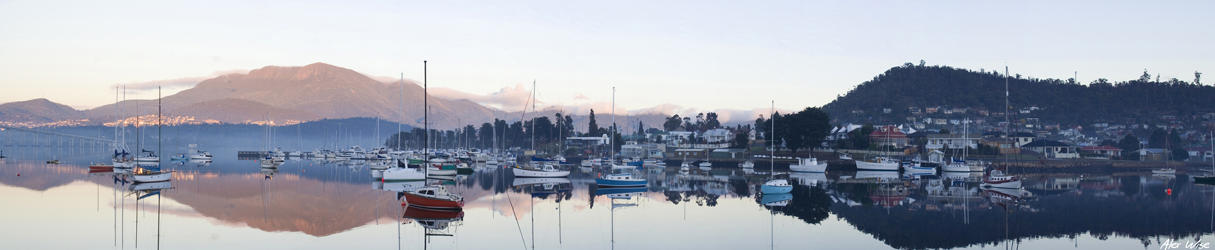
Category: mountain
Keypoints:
(38, 110)
(304, 93)
(1051, 100)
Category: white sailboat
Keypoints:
(538, 169)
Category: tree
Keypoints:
(741, 139)
(1157, 138)
(711, 121)
(592, 127)
(640, 128)
(1129, 144)
(672, 123)
(1177, 147)
(804, 129)
(485, 135)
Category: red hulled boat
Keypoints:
(434, 197)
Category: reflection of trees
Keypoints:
(809, 204)
(700, 197)
(1097, 210)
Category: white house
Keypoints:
(716, 135)
(952, 141)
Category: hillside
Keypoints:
(37, 111)
(1061, 101)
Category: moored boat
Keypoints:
(808, 165)
(434, 197)
(997, 179)
(878, 163)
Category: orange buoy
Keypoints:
(1168, 191)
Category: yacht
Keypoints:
(808, 165)
(997, 179)
(748, 164)
(620, 180)
(878, 163)
(434, 197)
(1164, 171)
(545, 170)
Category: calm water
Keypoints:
(233, 204)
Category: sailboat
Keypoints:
(1209, 178)
(431, 196)
(997, 178)
(539, 169)
(963, 165)
(122, 157)
(774, 185)
(143, 175)
(620, 177)
(880, 163)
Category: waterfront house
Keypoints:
(1052, 149)
(1101, 152)
(888, 136)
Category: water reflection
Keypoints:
(326, 198)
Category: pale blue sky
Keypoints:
(701, 54)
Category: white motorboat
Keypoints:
(746, 165)
(144, 175)
(545, 171)
(706, 165)
(1164, 171)
(997, 179)
(808, 165)
(879, 164)
(914, 166)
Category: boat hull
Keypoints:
(769, 189)
(619, 183)
(878, 166)
(960, 168)
(816, 168)
(153, 177)
(432, 203)
(1003, 184)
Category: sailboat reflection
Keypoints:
(145, 190)
(440, 223)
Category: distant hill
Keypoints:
(305, 93)
(37, 110)
(1062, 101)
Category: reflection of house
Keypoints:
(693, 153)
(1104, 152)
(952, 141)
(888, 136)
(936, 156)
(1053, 149)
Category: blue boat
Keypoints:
(777, 186)
(620, 180)
(776, 199)
(618, 190)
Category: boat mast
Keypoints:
(402, 113)
(612, 133)
(533, 131)
(425, 122)
(158, 146)
(772, 149)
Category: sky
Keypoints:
(693, 54)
